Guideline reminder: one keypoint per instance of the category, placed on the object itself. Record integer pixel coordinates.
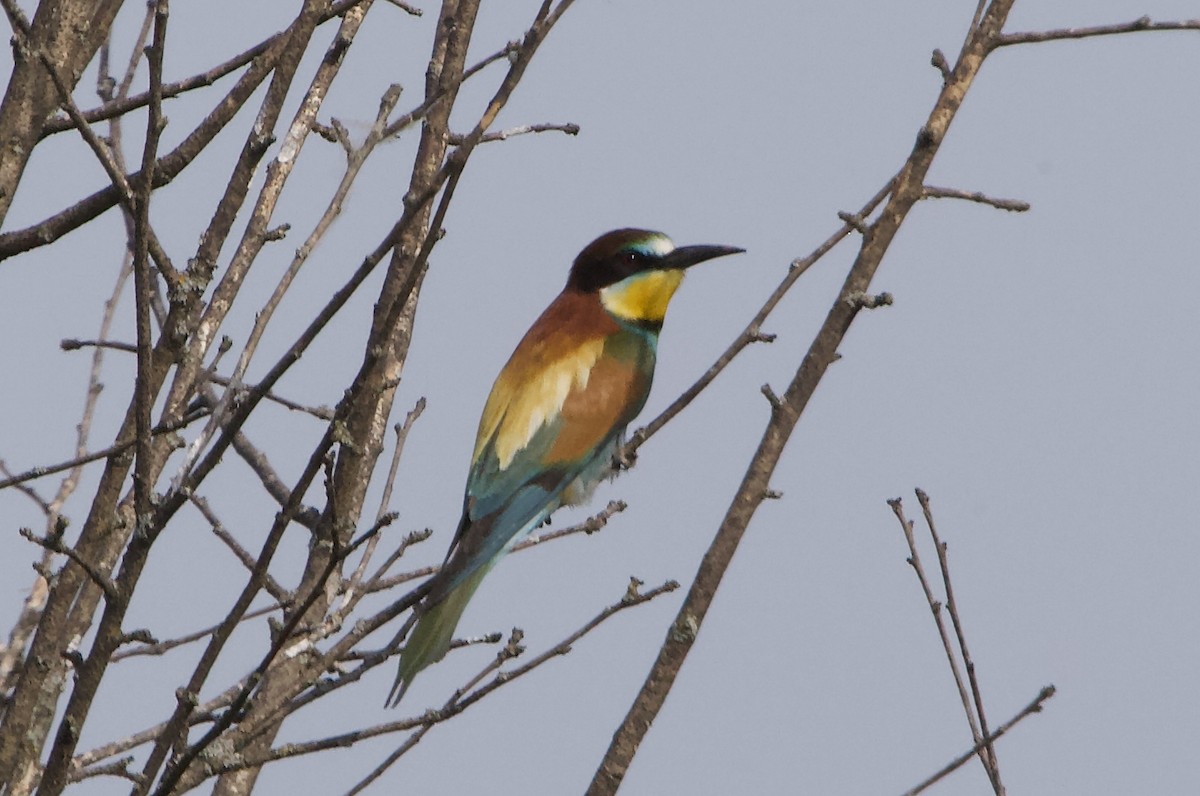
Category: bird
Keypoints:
(555, 417)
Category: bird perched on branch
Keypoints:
(555, 416)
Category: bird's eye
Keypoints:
(633, 258)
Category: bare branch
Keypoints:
(111, 450)
(589, 526)
(1033, 707)
(1059, 34)
(455, 705)
(751, 334)
(28, 491)
(406, 8)
(280, 594)
(55, 545)
(1013, 205)
(935, 607)
(162, 647)
(117, 768)
(351, 592)
(989, 759)
(202, 713)
(525, 129)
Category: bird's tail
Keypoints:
(431, 637)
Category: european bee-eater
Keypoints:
(555, 416)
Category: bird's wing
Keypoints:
(543, 428)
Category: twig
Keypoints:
(1033, 707)
(455, 705)
(379, 583)
(74, 344)
(143, 279)
(123, 105)
(978, 16)
(401, 430)
(55, 545)
(273, 588)
(508, 652)
(161, 647)
(118, 447)
(350, 590)
(168, 167)
(117, 768)
(124, 187)
(178, 721)
(28, 491)
(990, 761)
(1059, 34)
(257, 461)
(406, 8)
(503, 135)
(935, 608)
(753, 331)
(589, 526)
(200, 715)
(1012, 205)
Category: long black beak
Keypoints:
(687, 256)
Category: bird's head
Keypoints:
(635, 272)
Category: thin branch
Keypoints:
(379, 583)
(136, 52)
(345, 649)
(161, 647)
(55, 545)
(202, 713)
(752, 333)
(589, 526)
(1059, 34)
(143, 279)
(1033, 707)
(257, 461)
(402, 430)
(273, 588)
(989, 759)
(406, 8)
(503, 135)
(1012, 205)
(935, 608)
(117, 768)
(125, 192)
(123, 105)
(350, 590)
(458, 702)
(119, 447)
(74, 344)
(510, 651)
(28, 491)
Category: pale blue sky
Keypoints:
(1037, 375)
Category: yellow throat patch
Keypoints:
(642, 297)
